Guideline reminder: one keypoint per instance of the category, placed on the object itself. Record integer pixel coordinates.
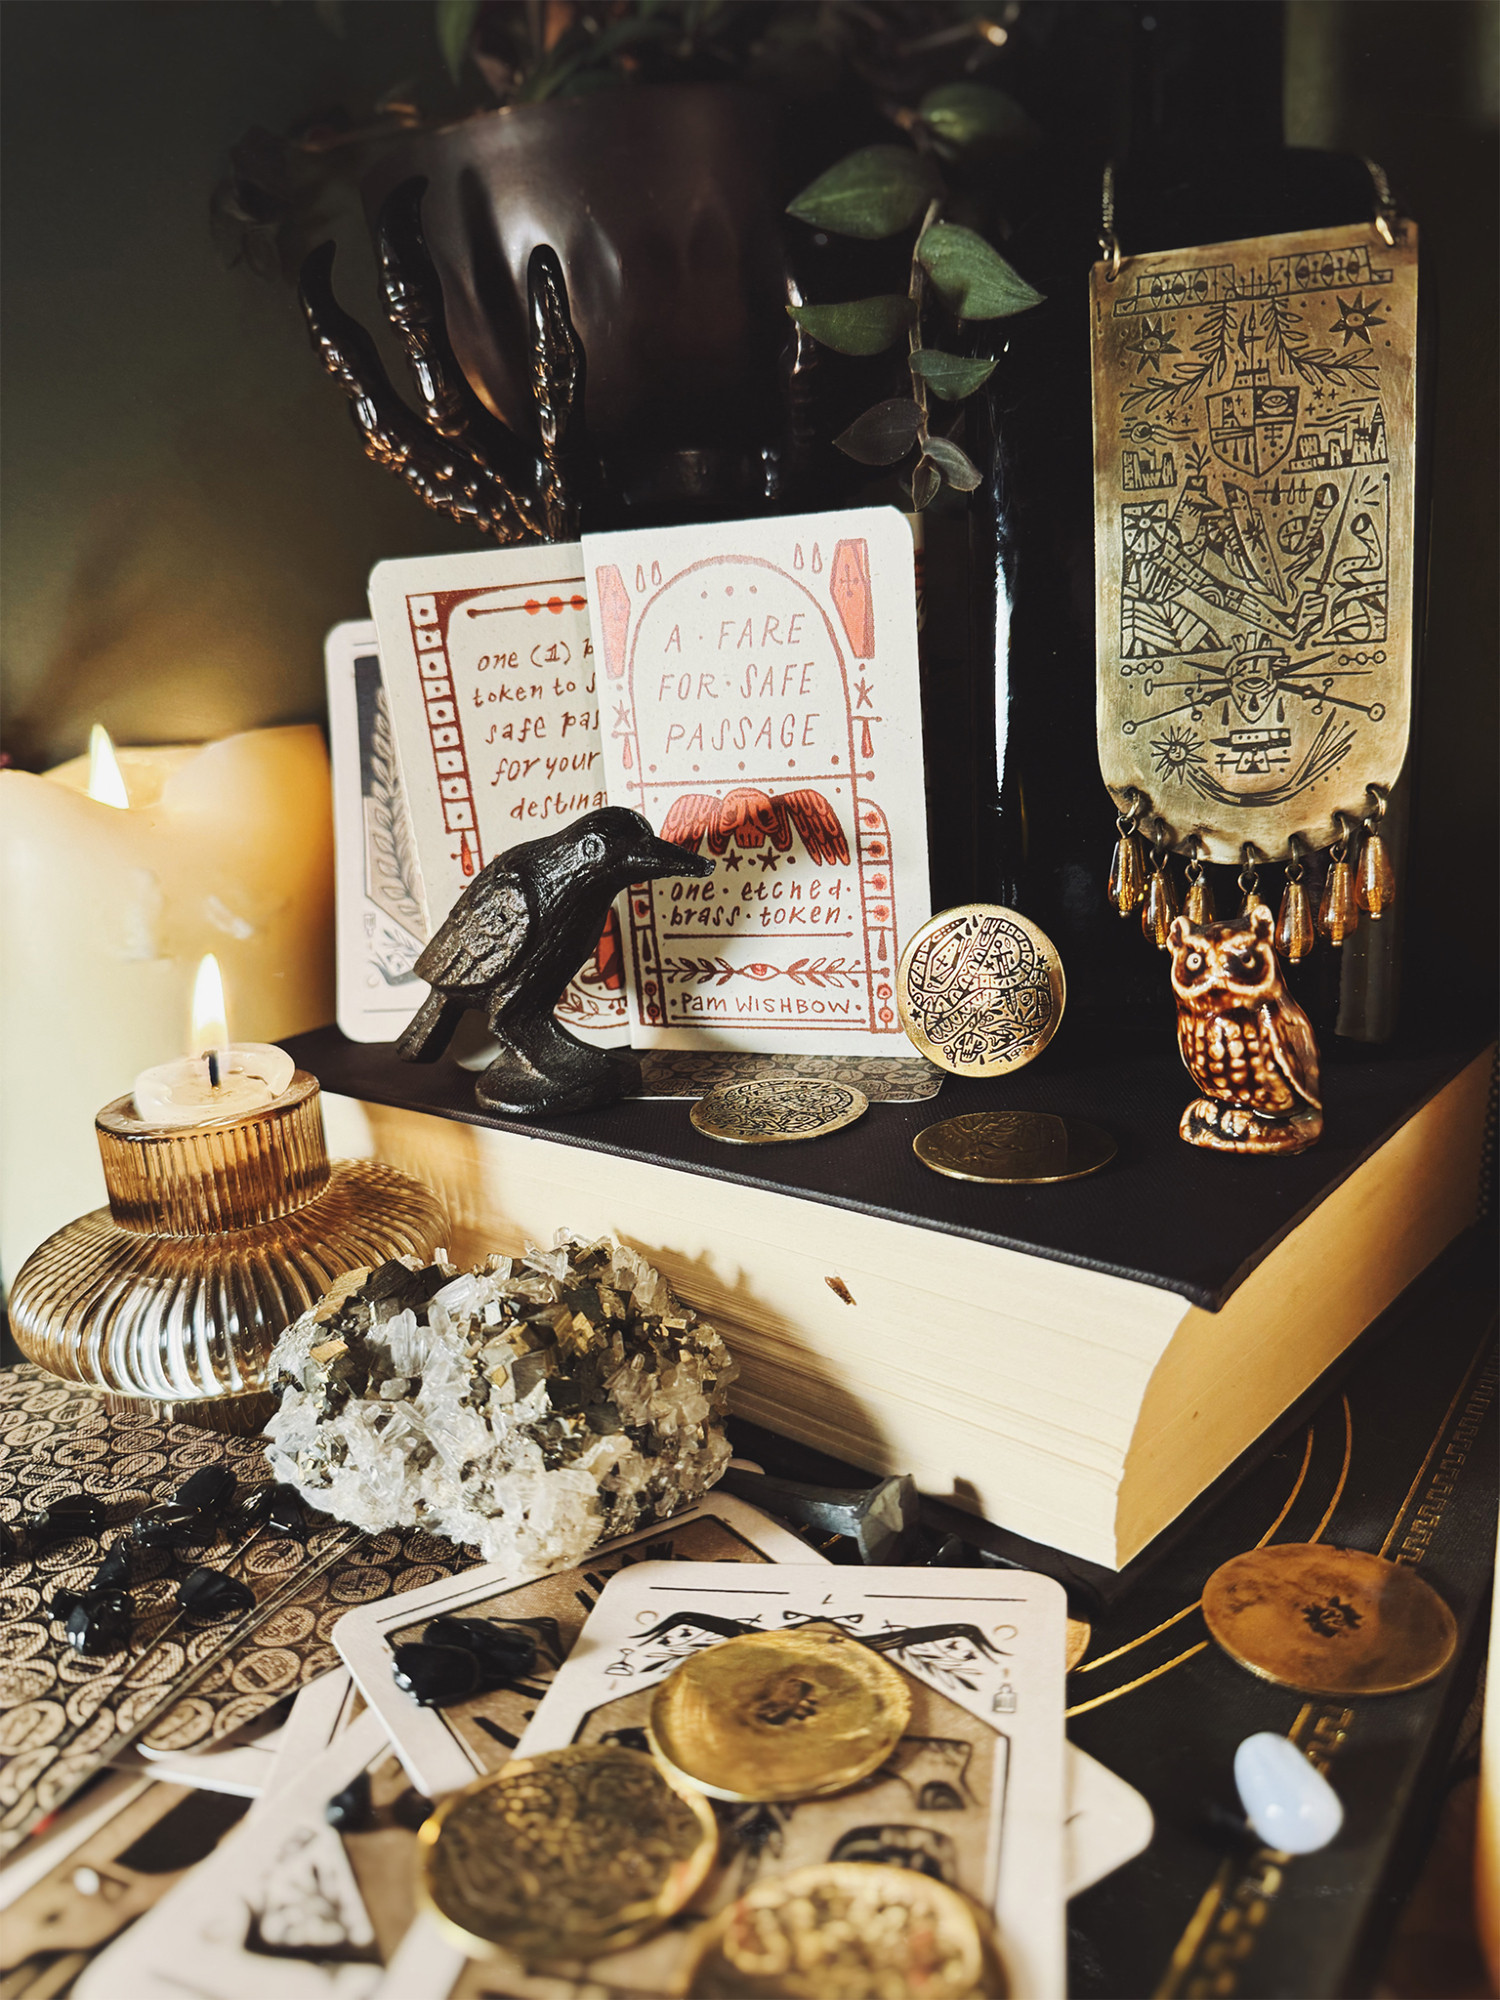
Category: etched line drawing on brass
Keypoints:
(1254, 430)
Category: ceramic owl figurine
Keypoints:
(1247, 1044)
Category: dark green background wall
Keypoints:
(186, 508)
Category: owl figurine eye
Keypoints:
(591, 848)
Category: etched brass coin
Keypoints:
(780, 1715)
(846, 1930)
(565, 1855)
(1329, 1621)
(772, 1111)
(1007, 1147)
(980, 990)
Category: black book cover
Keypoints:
(1166, 1214)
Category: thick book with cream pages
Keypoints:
(1075, 1362)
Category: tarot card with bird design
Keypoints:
(760, 704)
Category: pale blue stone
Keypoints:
(1290, 1805)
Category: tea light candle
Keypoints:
(228, 1080)
(117, 874)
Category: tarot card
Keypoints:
(379, 900)
(319, 1715)
(287, 1908)
(448, 1747)
(1108, 1822)
(489, 670)
(761, 703)
(101, 1879)
(973, 1793)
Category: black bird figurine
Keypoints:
(511, 943)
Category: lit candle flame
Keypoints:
(106, 779)
(210, 1028)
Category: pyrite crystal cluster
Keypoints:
(530, 1408)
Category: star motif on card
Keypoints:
(862, 693)
(731, 860)
(768, 860)
(1151, 344)
(1356, 318)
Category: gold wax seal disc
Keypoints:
(565, 1855)
(1013, 1146)
(1329, 1621)
(780, 1715)
(774, 1110)
(846, 1930)
(980, 990)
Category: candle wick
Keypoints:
(213, 1069)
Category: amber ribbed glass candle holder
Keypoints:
(216, 1237)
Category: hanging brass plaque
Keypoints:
(1254, 427)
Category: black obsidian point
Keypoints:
(114, 1572)
(286, 1514)
(208, 1491)
(209, 1593)
(168, 1526)
(60, 1520)
(436, 1675)
(348, 1811)
(100, 1623)
(504, 1652)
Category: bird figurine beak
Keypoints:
(653, 858)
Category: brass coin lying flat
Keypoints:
(780, 1715)
(1329, 1621)
(565, 1855)
(1013, 1146)
(1080, 1638)
(846, 1930)
(980, 990)
(774, 1110)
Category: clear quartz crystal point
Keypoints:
(1288, 1802)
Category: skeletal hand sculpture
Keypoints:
(456, 455)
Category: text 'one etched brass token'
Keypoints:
(847, 1930)
(980, 990)
(1013, 1146)
(772, 1111)
(780, 1715)
(1329, 1621)
(565, 1855)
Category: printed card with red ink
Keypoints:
(760, 703)
(489, 673)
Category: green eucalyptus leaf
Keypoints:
(455, 24)
(956, 466)
(863, 326)
(970, 277)
(884, 434)
(972, 116)
(951, 376)
(872, 193)
(925, 482)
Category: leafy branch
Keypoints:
(878, 192)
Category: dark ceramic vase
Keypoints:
(659, 202)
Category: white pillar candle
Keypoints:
(108, 911)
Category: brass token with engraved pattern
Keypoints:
(565, 1855)
(1329, 1621)
(980, 990)
(773, 1111)
(780, 1715)
(847, 1930)
(1013, 1147)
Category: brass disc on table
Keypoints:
(1329, 1621)
(1080, 1637)
(565, 1855)
(772, 1111)
(1013, 1147)
(980, 990)
(847, 1930)
(780, 1715)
